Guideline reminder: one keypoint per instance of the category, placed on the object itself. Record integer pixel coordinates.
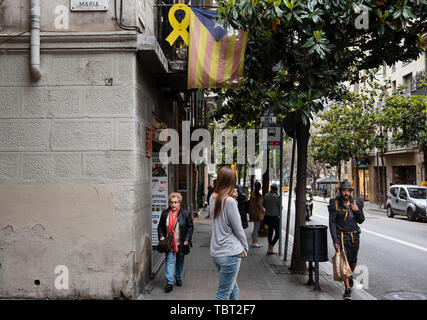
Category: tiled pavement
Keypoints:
(261, 276)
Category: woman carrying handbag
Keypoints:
(178, 223)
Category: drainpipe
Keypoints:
(35, 39)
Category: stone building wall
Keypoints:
(75, 186)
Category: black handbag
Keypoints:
(166, 245)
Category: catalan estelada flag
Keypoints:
(215, 55)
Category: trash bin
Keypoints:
(314, 243)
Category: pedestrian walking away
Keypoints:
(210, 191)
(324, 192)
(345, 213)
(241, 201)
(179, 222)
(228, 240)
(271, 203)
(256, 213)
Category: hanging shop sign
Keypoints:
(148, 142)
(98, 5)
(159, 191)
(158, 126)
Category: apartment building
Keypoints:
(403, 165)
(85, 87)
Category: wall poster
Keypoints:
(159, 202)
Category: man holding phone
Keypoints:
(345, 213)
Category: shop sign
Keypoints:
(158, 126)
(148, 139)
(159, 192)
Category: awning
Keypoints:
(327, 180)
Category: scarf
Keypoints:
(171, 228)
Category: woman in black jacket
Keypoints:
(178, 221)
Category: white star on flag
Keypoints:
(219, 23)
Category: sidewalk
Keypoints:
(368, 206)
(261, 276)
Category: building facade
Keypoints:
(402, 165)
(76, 145)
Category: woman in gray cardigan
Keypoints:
(228, 240)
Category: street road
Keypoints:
(393, 250)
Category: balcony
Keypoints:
(177, 54)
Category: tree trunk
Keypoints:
(385, 181)
(357, 178)
(245, 172)
(266, 175)
(252, 182)
(423, 164)
(239, 173)
(302, 134)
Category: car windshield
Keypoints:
(417, 193)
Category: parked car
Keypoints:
(407, 200)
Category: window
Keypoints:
(418, 193)
(407, 81)
(394, 86)
(393, 191)
(402, 194)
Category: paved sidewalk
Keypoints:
(261, 276)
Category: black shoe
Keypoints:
(168, 287)
(350, 281)
(347, 294)
(178, 282)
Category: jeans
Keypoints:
(255, 231)
(228, 268)
(273, 226)
(170, 264)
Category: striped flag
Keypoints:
(215, 56)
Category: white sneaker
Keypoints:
(256, 245)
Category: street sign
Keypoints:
(273, 137)
(211, 168)
(268, 121)
(98, 5)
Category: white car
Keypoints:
(407, 200)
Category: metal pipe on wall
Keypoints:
(35, 39)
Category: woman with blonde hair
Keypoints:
(228, 240)
(179, 222)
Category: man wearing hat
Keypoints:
(344, 216)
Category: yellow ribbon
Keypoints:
(179, 28)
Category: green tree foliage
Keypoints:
(299, 51)
(406, 119)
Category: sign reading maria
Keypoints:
(99, 5)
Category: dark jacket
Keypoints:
(241, 200)
(344, 219)
(271, 203)
(185, 221)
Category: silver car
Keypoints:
(407, 200)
